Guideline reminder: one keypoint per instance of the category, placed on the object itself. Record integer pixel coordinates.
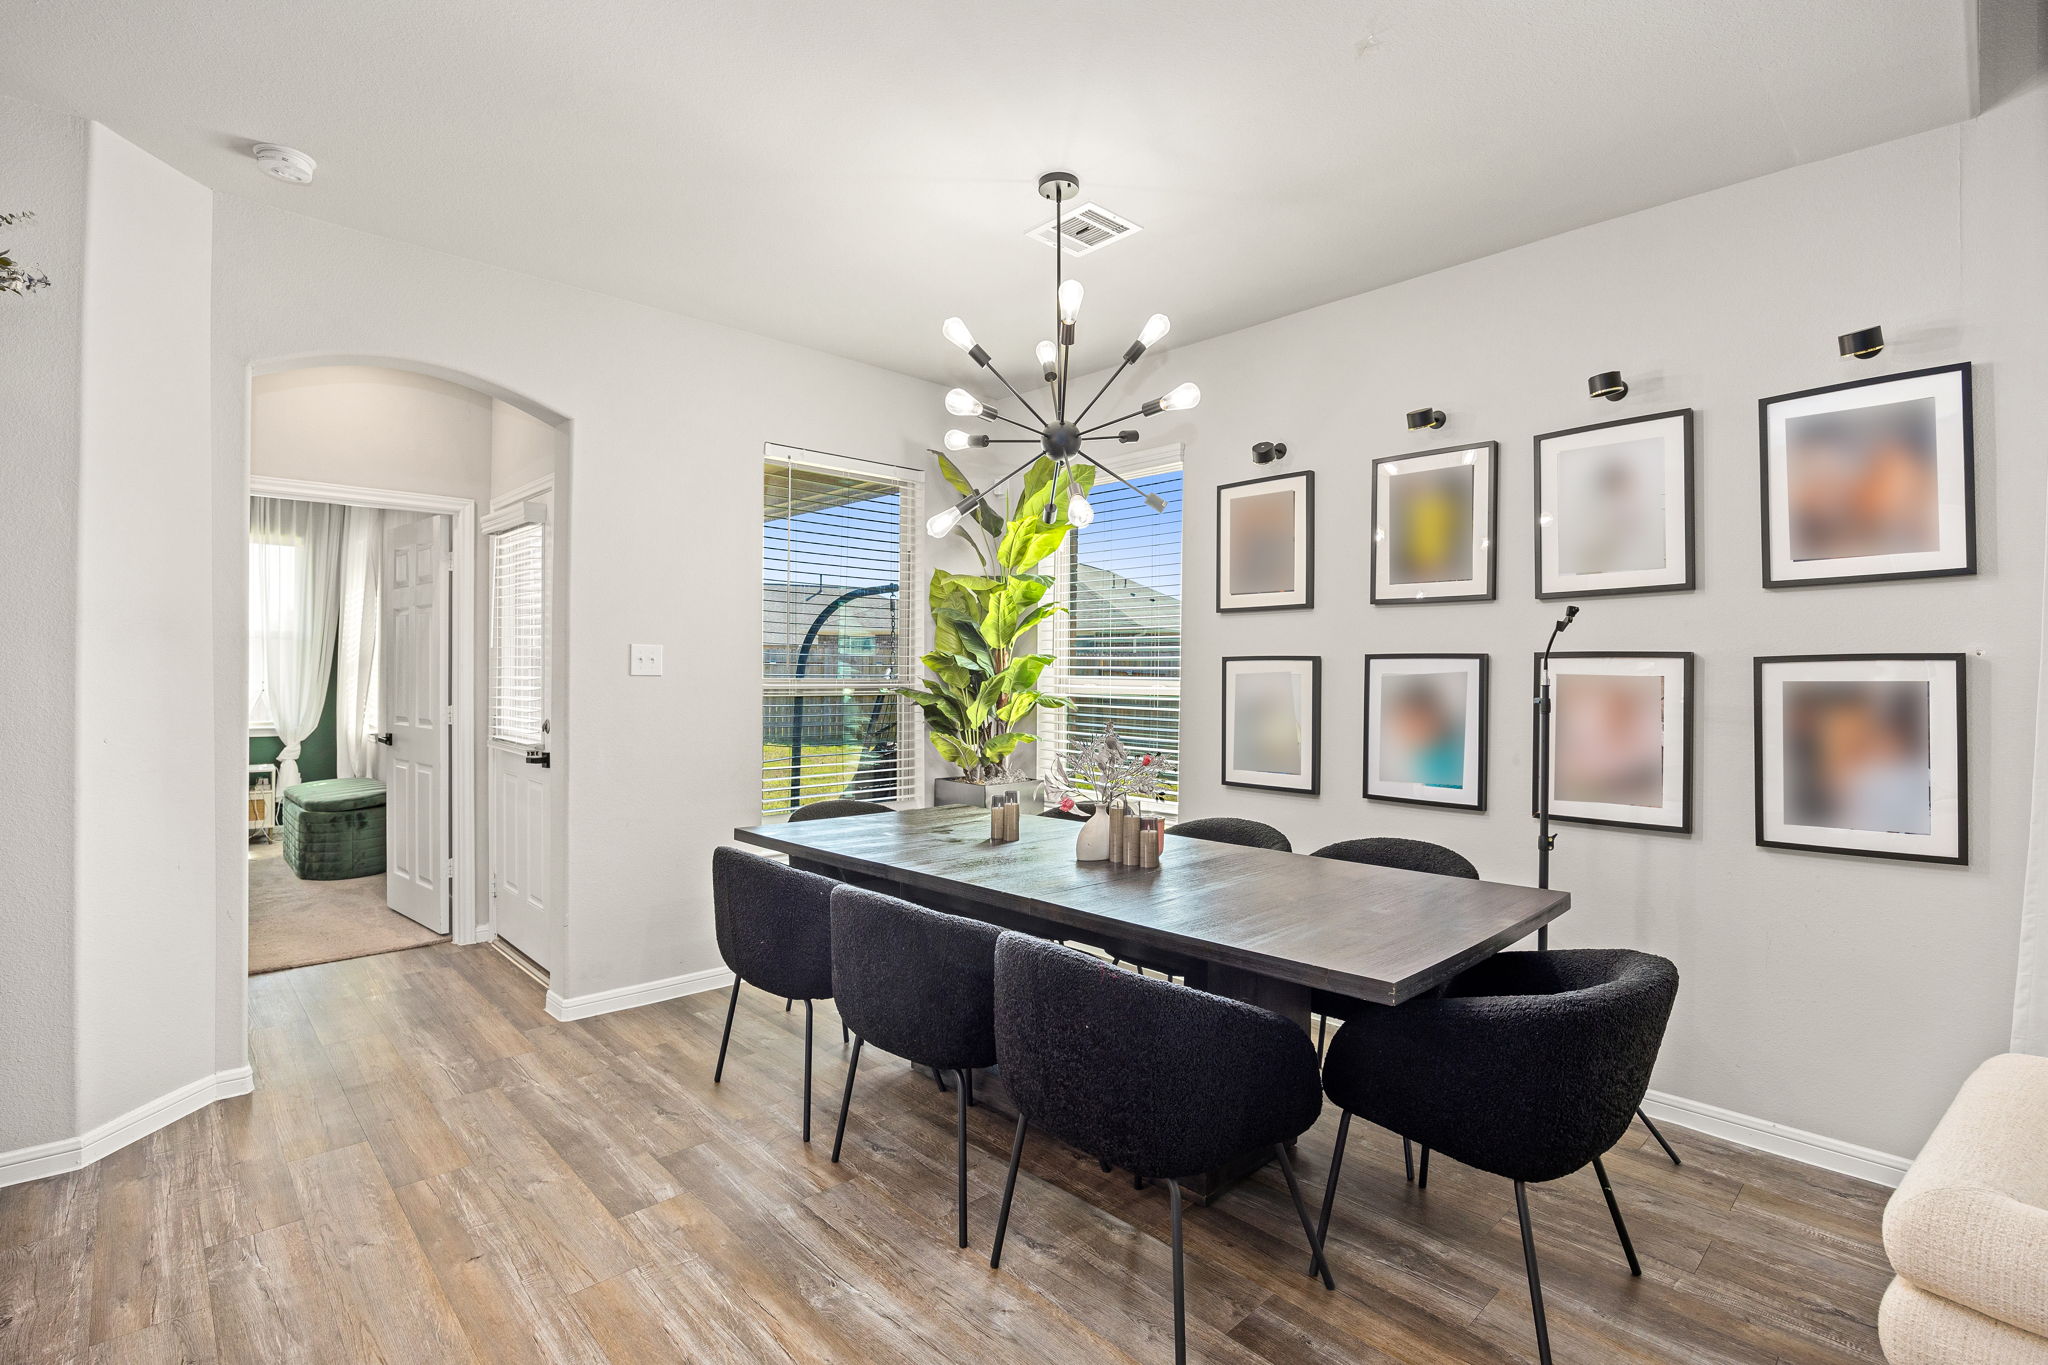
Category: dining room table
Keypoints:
(1253, 924)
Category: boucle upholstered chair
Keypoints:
(774, 928)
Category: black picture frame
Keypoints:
(1688, 422)
(1306, 529)
(1968, 567)
(1685, 797)
(1480, 706)
(1491, 530)
(1961, 857)
(1315, 754)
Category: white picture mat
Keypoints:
(1301, 673)
(1298, 594)
(1480, 583)
(1943, 714)
(1671, 431)
(1946, 389)
(1672, 813)
(1377, 671)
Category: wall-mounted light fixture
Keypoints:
(1265, 452)
(1607, 384)
(1425, 417)
(1864, 344)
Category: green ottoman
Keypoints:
(334, 829)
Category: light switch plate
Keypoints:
(646, 661)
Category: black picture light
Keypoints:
(1863, 345)
(1425, 417)
(1265, 452)
(1607, 384)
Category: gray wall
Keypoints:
(1843, 996)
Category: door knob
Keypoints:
(384, 738)
(540, 756)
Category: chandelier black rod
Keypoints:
(1101, 391)
(1151, 499)
(1114, 420)
(1021, 426)
(990, 366)
(1059, 281)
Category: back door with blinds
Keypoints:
(1118, 646)
(521, 767)
(840, 625)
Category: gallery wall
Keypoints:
(1839, 995)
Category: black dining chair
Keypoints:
(1529, 1066)
(1163, 1080)
(830, 810)
(1230, 829)
(918, 984)
(774, 926)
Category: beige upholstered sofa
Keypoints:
(1967, 1231)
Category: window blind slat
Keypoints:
(836, 550)
(1118, 647)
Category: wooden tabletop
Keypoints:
(1373, 933)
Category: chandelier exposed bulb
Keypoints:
(1178, 399)
(1070, 302)
(1049, 360)
(961, 403)
(957, 439)
(1080, 511)
(956, 332)
(943, 522)
(1155, 327)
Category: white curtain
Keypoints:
(356, 654)
(294, 570)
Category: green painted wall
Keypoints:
(316, 755)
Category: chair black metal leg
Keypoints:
(967, 1085)
(940, 1077)
(1330, 1188)
(1180, 1307)
(844, 1036)
(807, 1071)
(726, 1038)
(846, 1099)
(1408, 1159)
(1535, 1280)
(1315, 1247)
(1104, 1164)
(995, 1251)
(1322, 1027)
(1660, 1138)
(960, 1158)
(1422, 1178)
(788, 1004)
(1621, 1229)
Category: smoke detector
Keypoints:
(1087, 227)
(288, 164)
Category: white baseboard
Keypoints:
(69, 1154)
(631, 997)
(1830, 1154)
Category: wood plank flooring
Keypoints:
(431, 1169)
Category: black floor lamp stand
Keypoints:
(1545, 840)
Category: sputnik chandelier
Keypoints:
(1065, 441)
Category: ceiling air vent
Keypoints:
(1088, 227)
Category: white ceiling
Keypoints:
(847, 175)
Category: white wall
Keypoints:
(1843, 996)
(669, 420)
(524, 448)
(146, 903)
(42, 166)
(373, 427)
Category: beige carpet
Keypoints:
(296, 924)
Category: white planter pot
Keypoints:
(954, 791)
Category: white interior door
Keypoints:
(416, 711)
(522, 775)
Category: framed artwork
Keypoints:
(1614, 507)
(1266, 543)
(1433, 525)
(1273, 723)
(1863, 753)
(1425, 729)
(1870, 480)
(1620, 739)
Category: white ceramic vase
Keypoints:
(1091, 845)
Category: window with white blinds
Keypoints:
(839, 630)
(1118, 645)
(519, 635)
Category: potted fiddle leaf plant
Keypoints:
(982, 689)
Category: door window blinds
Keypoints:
(519, 635)
(839, 631)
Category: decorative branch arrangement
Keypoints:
(16, 278)
(1106, 771)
